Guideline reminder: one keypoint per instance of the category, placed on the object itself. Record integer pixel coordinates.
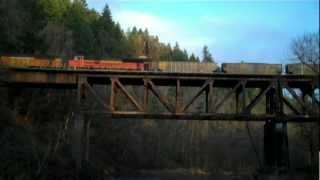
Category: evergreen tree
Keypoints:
(207, 57)
(192, 58)
(64, 28)
(177, 54)
(185, 55)
(106, 15)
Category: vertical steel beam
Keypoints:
(270, 101)
(238, 91)
(315, 100)
(146, 96)
(275, 133)
(243, 96)
(87, 139)
(209, 92)
(113, 94)
(77, 138)
(269, 131)
(281, 129)
(179, 97)
(269, 144)
(78, 128)
(241, 93)
(280, 98)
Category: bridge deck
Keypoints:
(270, 87)
(68, 78)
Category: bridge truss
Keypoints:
(235, 89)
(214, 91)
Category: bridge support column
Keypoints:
(81, 127)
(275, 145)
(12, 95)
(240, 98)
(78, 133)
(276, 153)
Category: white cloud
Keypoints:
(168, 31)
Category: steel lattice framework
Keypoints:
(270, 87)
(304, 90)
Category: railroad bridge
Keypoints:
(304, 89)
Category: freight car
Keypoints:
(302, 69)
(251, 68)
(81, 63)
(145, 64)
(183, 67)
(31, 62)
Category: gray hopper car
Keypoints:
(252, 68)
(302, 69)
(183, 67)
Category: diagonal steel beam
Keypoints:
(227, 96)
(96, 96)
(313, 97)
(203, 87)
(257, 99)
(290, 106)
(294, 94)
(133, 101)
(160, 96)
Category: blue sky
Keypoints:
(234, 30)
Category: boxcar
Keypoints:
(31, 62)
(183, 67)
(104, 64)
(301, 69)
(252, 68)
(15, 61)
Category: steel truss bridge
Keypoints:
(271, 88)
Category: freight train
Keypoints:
(144, 64)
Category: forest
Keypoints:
(36, 128)
(61, 28)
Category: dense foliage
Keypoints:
(65, 28)
(36, 126)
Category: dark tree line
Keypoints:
(36, 130)
(65, 28)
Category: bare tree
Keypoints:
(306, 50)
